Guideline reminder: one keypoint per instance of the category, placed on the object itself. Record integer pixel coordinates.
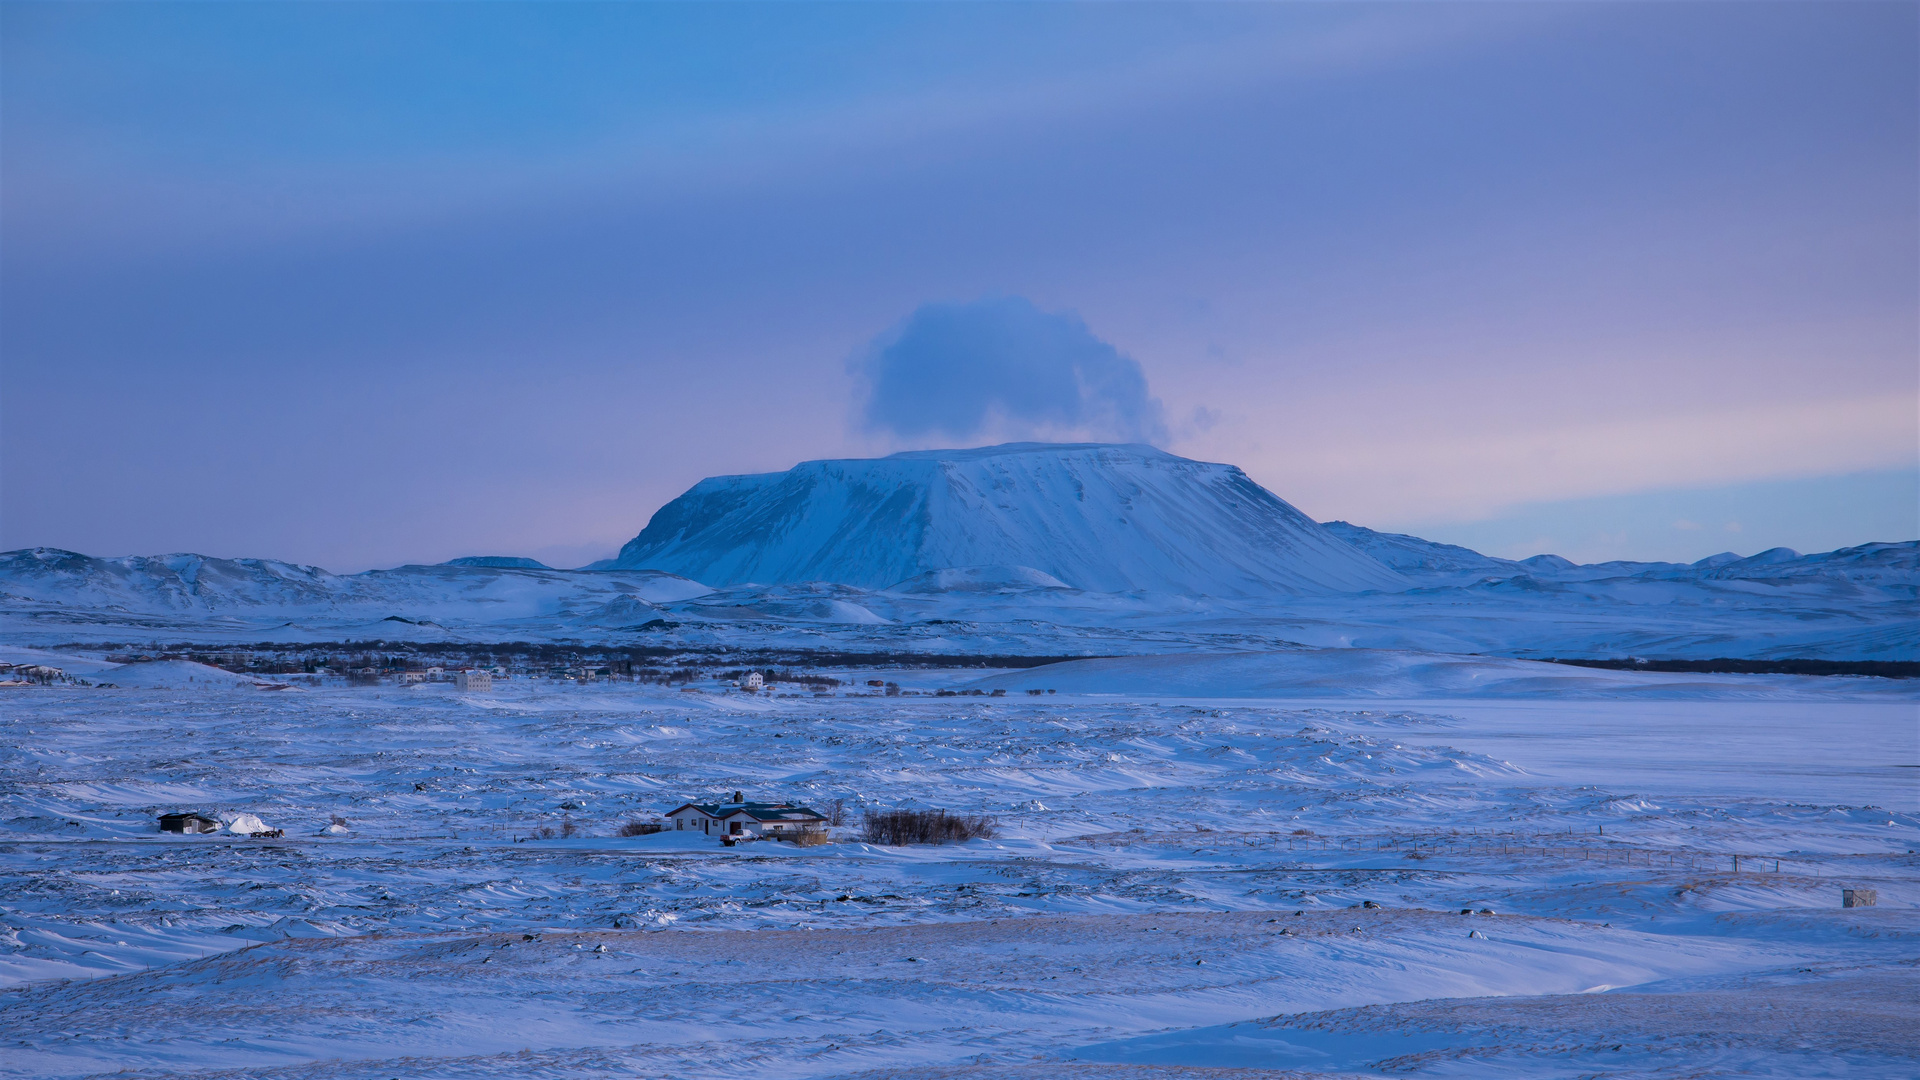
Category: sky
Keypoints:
(365, 284)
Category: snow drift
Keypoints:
(1404, 675)
(1094, 517)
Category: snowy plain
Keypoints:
(1177, 885)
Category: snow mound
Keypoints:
(1395, 674)
(623, 610)
(175, 675)
(979, 579)
(498, 562)
(812, 602)
(1095, 517)
(246, 825)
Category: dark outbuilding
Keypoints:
(188, 823)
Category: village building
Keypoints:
(32, 675)
(742, 818)
(753, 682)
(188, 823)
(473, 680)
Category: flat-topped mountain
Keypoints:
(1102, 518)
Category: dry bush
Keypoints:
(567, 827)
(896, 827)
(809, 837)
(640, 827)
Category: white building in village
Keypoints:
(742, 818)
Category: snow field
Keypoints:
(1137, 907)
(820, 1002)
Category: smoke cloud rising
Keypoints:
(1002, 368)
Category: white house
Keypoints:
(742, 818)
(473, 680)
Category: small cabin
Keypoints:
(743, 818)
(188, 823)
(753, 682)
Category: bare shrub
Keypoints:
(837, 813)
(896, 827)
(544, 832)
(810, 837)
(640, 827)
(567, 827)
(340, 821)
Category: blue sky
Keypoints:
(365, 284)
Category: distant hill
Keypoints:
(1101, 518)
(156, 584)
(498, 562)
(1435, 564)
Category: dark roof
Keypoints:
(189, 815)
(775, 812)
(759, 811)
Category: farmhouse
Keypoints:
(742, 818)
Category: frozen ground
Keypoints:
(1175, 890)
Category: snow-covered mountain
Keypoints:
(1893, 566)
(1099, 518)
(1424, 561)
(1027, 549)
(163, 582)
(49, 578)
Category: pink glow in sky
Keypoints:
(359, 284)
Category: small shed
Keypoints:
(188, 823)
